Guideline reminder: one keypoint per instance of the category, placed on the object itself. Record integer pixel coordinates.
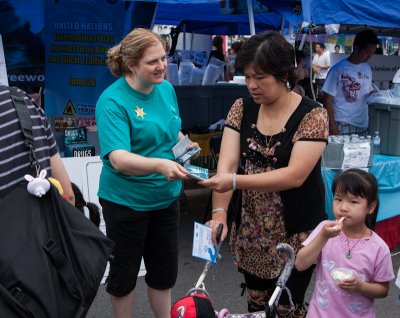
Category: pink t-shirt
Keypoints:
(370, 262)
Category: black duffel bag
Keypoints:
(52, 257)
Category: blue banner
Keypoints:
(21, 27)
(78, 34)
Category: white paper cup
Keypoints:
(211, 74)
(185, 72)
(341, 274)
(172, 74)
(197, 76)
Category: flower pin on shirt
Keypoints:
(139, 112)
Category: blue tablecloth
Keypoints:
(386, 169)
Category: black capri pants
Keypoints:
(152, 235)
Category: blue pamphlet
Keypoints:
(181, 152)
(198, 173)
(187, 155)
(203, 246)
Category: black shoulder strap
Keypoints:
(25, 120)
(10, 306)
(250, 113)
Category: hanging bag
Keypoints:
(52, 257)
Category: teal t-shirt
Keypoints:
(147, 125)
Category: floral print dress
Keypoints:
(262, 224)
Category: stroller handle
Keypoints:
(289, 263)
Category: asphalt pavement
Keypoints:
(223, 285)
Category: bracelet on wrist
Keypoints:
(234, 181)
(218, 210)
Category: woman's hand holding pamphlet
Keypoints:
(183, 154)
(181, 151)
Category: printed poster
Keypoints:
(78, 35)
(356, 155)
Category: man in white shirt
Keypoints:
(347, 86)
(320, 65)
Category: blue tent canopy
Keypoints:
(207, 19)
(353, 15)
(202, 16)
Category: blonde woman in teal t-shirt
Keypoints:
(138, 123)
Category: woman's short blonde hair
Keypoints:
(130, 50)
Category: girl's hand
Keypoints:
(221, 182)
(172, 170)
(331, 229)
(214, 225)
(351, 285)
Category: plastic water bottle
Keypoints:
(354, 138)
(376, 141)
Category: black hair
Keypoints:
(217, 42)
(360, 184)
(276, 56)
(365, 38)
(237, 46)
(300, 55)
(322, 45)
(245, 57)
(80, 203)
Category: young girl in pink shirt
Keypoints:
(353, 263)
